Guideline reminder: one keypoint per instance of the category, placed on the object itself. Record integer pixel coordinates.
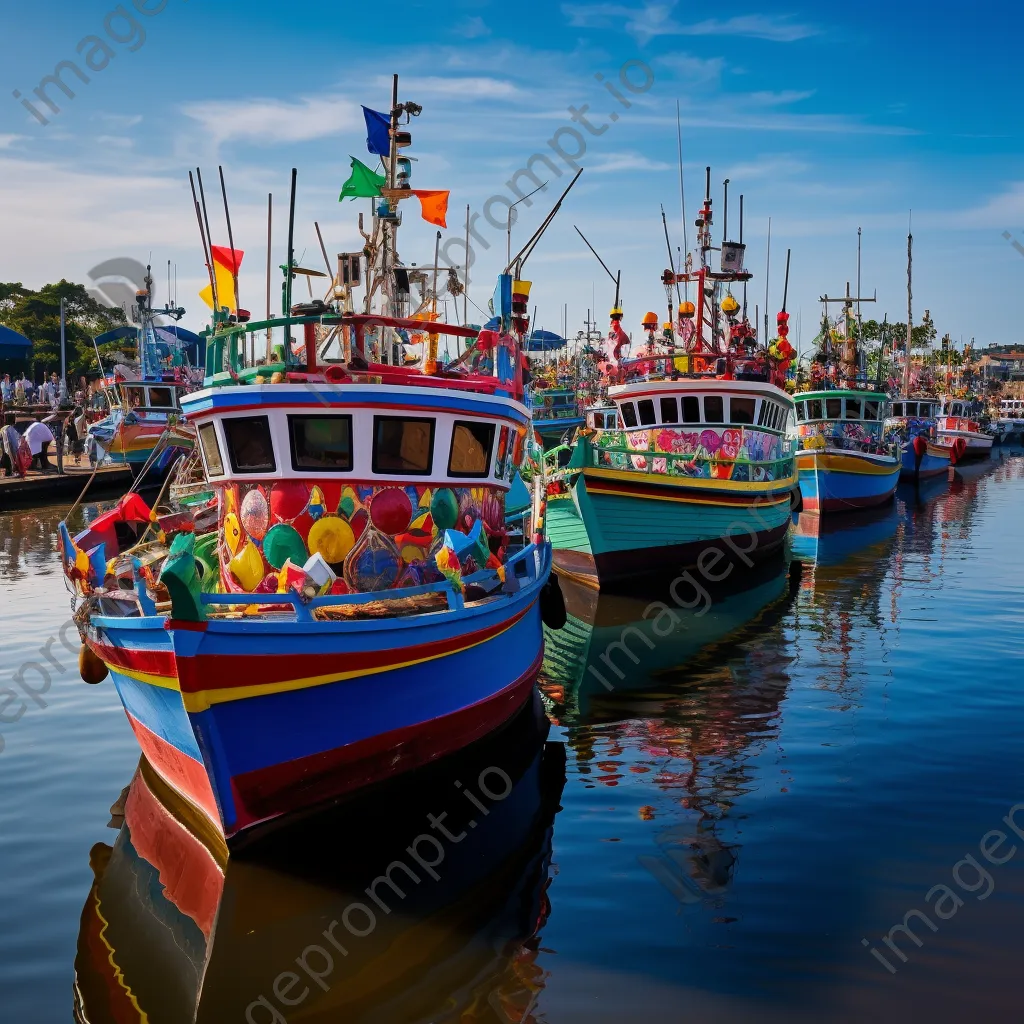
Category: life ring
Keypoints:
(335, 374)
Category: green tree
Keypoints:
(37, 316)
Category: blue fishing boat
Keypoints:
(361, 606)
(914, 422)
(145, 425)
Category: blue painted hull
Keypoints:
(251, 720)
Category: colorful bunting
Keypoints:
(363, 183)
(378, 132)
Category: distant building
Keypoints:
(1002, 362)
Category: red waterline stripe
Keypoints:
(181, 772)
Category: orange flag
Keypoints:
(434, 206)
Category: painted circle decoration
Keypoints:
(255, 514)
(331, 537)
(391, 511)
(288, 501)
(282, 543)
(444, 509)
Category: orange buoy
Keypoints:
(91, 666)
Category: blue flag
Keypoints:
(378, 132)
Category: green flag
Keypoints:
(363, 184)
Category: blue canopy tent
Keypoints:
(544, 341)
(15, 350)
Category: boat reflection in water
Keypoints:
(420, 901)
(689, 713)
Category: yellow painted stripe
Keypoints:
(118, 974)
(685, 499)
(690, 483)
(844, 464)
(204, 699)
(166, 682)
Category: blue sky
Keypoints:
(825, 119)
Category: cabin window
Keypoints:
(801, 411)
(833, 408)
(776, 416)
(503, 440)
(250, 447)
(765, 413)
(161, 398)
(211, 450)
(854, 408)
(814, 409)
(911, 408)
(714, 409)
(472, 442)
(872, 410)
(134, 397)
(897, 409)
(322, 443)
(403, 445)
(783, 418)
(646, 409)
(742, 410)
(691, 409)
(669, 409)
(628, 414)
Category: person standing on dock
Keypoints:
(21, 391)
(39, 437)
(6, 389)
(9, 441)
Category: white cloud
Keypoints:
(479, 87)
(271, 122)
(653, 20)
(8, 141)
(609, 163)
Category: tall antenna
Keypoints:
(291, 251)
(767, 272)
(202, 234)
(910, 307)
(231, 237)
(270, 221)
(741, 242)
(209, 235)
(682, 196)
(465, 293)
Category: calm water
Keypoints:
(768, 779)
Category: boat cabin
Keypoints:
(846, 420)
(150, 397)
(696, 427)
(694, 403)
(1012, 408)
(921, 409)
(367, 477)
(556, 404)
(602, 417)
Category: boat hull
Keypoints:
(842, 481)
(979, 446)
(618, 525)
(935, 461)
(251, 721)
